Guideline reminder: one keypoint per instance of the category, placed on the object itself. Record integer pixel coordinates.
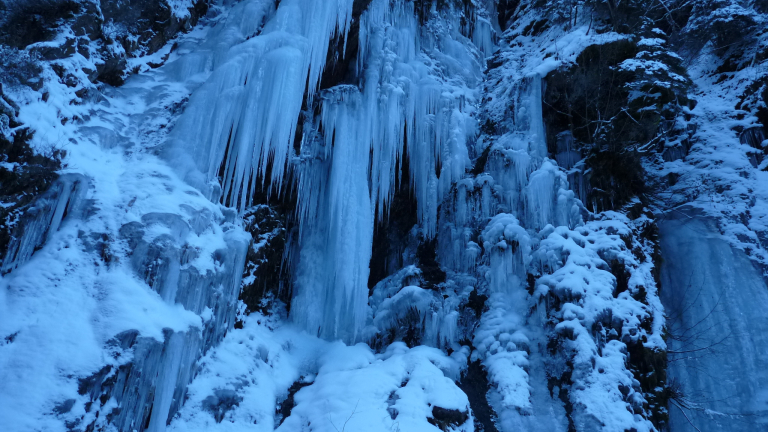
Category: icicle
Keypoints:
(567, 156)
(509, 247)
(333, 267)
(166, 385)
(65, 198)
(537, 134)
(483, 37)
(243, 120)
(404, 94)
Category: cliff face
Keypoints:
(67, 49)
(370, 214)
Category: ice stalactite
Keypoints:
(404, 108)
(337, 239)
(243, 119)
(501, 341)
(256, 96)
(65, 198)
(543, 270)
(412, 103)
(149, 385)
(472, 200)
(548, 199)
(528, 191)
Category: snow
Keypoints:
(348, 387)
(52, 345)
(67, 309)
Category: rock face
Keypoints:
(143, 26)
(105, 33)
(84, 42)
(40, 33)
(24, 175)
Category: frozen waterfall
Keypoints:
(715, 300)
(500, 265)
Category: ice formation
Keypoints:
(554, 327)
(66, 198)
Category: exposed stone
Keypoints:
(446, 419)
(221, 402)
(474, 383)
(284, 408)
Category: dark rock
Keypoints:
(19, 67)
(431, 271)
(755, 137)
(476, 302)
(221, 402)
(265, 276)
(446, 419)
(622, 275)
(145, 26)
(111, 70)
(55, 52)
(139, 26)
(26, 22)
(391, 232)
(474, 383)
(284, 408)
(64, 407)
(11, 337)
(649, 367)
(391, 401)
(341, 56)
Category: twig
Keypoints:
(686, 415)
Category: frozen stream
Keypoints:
(716, 302)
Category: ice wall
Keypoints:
(151, 388)
(714, 298)
(135, 275)
(555, 335)
(415, 100)
(244, 117)
(65, 199)
(497, 222)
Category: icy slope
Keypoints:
(715, 299)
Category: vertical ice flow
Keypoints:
(243, 119)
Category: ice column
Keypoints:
(65, 198)
(337, 239)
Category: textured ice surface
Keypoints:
(715, 299)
